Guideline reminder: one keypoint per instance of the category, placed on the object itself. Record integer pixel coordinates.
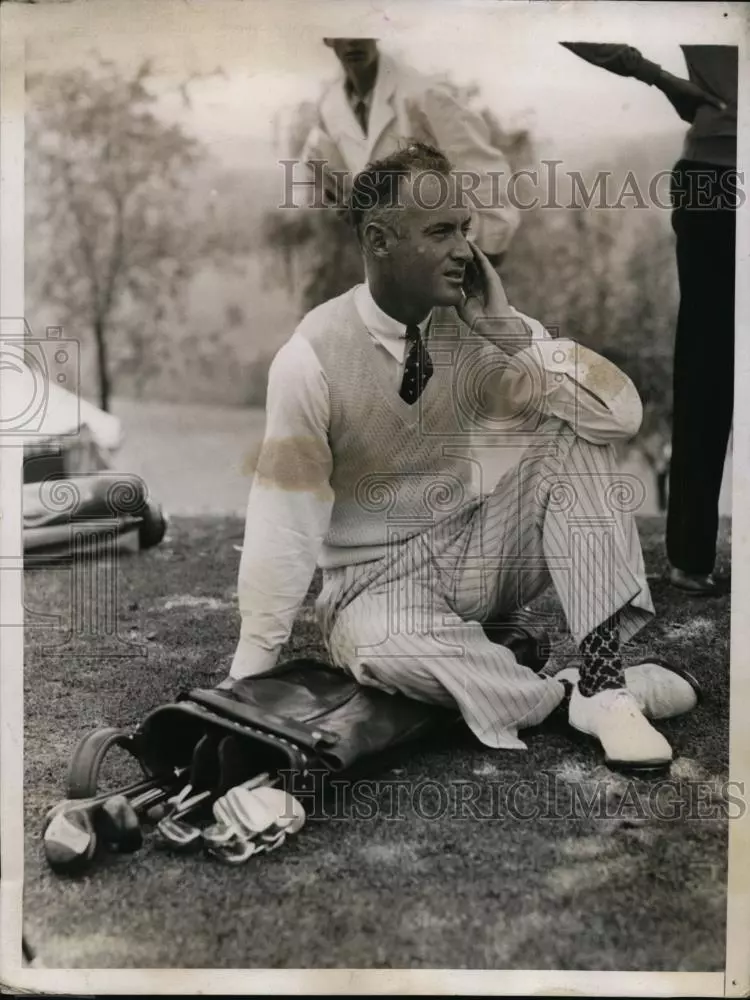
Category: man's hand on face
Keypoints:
(484, 295)
(485, 308)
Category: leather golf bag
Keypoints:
(288, 728)
(306, 717)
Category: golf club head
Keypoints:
(270, 841)
(218, 834)
(69, 840)
(118, 826)
(156, 813)
(235, 851)
(289, 812)
(177, 835)
(242, 810)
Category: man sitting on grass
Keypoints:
(376, 408)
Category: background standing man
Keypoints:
(703, 218)
(378, 104)
(703, 191)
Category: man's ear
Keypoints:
(377, 239)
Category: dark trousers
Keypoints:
(703, 380)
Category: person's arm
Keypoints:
(464, 137)
(550, 376)
(625, 60)
(684, 96)
(577, 385)
(325, 165)
(485, 308)
(556, 377)
(289, 508)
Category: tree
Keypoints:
(108, 212)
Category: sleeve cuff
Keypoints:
(250, 660)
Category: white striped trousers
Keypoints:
(411, 621)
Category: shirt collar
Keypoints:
(386, 330)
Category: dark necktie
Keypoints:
(360, 110)
(418, 368)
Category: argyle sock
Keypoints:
(601, 668)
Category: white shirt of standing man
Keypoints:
(401, 104)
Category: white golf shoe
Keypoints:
(661, 689)
(627, 737)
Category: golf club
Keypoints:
(73, 828)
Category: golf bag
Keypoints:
(285, 729)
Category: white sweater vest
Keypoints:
(397, 469)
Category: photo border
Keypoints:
(106, 16)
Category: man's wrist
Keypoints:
(251, 659)
(510, 334)
(649, 72)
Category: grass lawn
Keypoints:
(493, 890)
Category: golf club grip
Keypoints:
(137, 790)
(191, 803)
(140, 795)
(149, 798)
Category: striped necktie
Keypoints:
(418, 368)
